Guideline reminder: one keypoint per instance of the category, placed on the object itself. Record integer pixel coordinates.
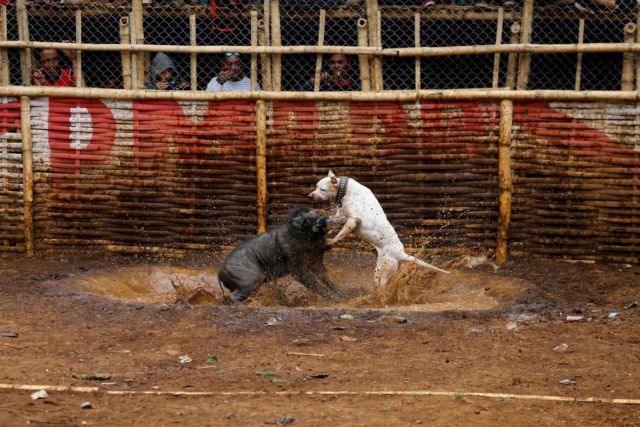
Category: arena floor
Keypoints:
(476, 347)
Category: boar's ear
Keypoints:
(296, 216)
(295, 222)
(320, 225)
(333, 177)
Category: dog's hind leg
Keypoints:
(386, 268)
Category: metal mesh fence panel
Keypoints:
(569, 25)
(298, 23)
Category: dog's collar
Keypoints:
(342, 189)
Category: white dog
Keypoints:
(365, 216)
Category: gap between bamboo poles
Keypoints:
(366, 393)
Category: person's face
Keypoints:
(49, 60)
(339, 64)
(233, 65)
(166, 75)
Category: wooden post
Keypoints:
(254, 43)
(637, 40)
(525, 37)
(375, 61)
(504, 180)
(496, 57)
(264, 37)
(417, 43)
(27, 173)
(134, 55)
(365, 70)
(138, 38)
(276, 41)
(628, 66)
(579, 58)
(23, 35)
(193, 56)
(4, 58)
(513, 57)
(78, 63)
(378, 59)
(261, 165)
(321, 26)
(125, 56)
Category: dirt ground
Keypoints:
(112, 331)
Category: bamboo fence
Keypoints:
(504, 169)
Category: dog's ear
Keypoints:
(333, 177)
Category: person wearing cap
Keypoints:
(163, 76)
(231, 77)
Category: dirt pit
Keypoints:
(111, 341)
(471, 285)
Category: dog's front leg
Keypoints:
(349, 227)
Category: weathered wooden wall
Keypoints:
(163, 175)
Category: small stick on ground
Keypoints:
(293, 353)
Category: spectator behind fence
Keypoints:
(231, 77)
(164, 76)
(336, 76)
(50, 72)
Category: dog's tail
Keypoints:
(423, 264)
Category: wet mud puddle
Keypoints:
(413, 288)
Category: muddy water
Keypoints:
(413, 288)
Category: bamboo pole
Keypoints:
(138, 36)
(254, 43)
(579, 59)
(264, 38)
(365, 70)
(417, 44)
(317, 75)
(27, 173)
(504, 180)
(261, 165)
(23, 35)
(194, 56)
(78, 63)
(378, 59)
(387, 96)
(4, 57)
(276, 41)
(265, 60)
(496, 56)
(134, 54)
(525, 37)
(373, 27)
(628, 60)
(125, 37)
(347, 50)
(510, 81)
(637, 61)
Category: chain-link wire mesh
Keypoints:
(299, 23)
